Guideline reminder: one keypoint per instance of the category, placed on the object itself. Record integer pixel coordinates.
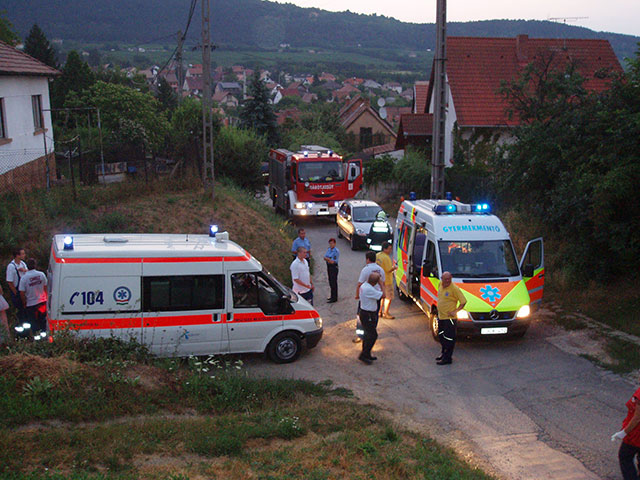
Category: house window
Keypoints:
(366, 137)
(36, 105)
(3, 124)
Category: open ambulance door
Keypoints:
(532, 268)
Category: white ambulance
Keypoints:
(435, 236)
(178, 294)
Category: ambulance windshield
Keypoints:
(285, 291)
(320, 172)
(478, 259)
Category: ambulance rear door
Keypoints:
(183, 305)
(404, 252)
(532, 268)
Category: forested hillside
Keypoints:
(264, 24)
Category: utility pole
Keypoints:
(440, 102)
(208, 176)
(179, 69)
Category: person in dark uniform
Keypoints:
(450, 301)
(331, 257)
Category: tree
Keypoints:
(7, 34)
(37, 45)
(574, 168)
(238, 156)
(131, 118)
(76, 76)
(166, 96)
(94, 57)
(257, 112)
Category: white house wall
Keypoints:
(25, 146)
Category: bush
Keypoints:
(378, 170)
(413, 173)
(238, 155)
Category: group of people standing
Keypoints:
(28, 295)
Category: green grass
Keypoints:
(625, 356)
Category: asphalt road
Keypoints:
(522, 409)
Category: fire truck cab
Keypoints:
(311, 182)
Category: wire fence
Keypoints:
(25, 170)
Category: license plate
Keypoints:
(493, 330)
(323, 212)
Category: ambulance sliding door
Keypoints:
(183, 308)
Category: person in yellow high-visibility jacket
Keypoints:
(450, 301)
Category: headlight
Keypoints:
(300, 205)
(26, 325)
(463, 315)
(524, 311)
(360, 231)
(303, 212)
(318, 322)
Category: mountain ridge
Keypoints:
(265, 24)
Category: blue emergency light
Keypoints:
(450, 208)
(412, 196)
(448, 196)
(481, 208)
(67, 243)
(213, 229)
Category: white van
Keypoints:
(178, 294)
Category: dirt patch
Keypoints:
(24, 367)
(150, 378)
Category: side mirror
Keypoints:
(527, 270)
(348, 217)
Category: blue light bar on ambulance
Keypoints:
(213, 229)
(481, 208)
(67, 243)
(449, 208)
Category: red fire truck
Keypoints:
(311, 182)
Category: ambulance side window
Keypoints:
(430, 260)
(245, 290)
(183, 292)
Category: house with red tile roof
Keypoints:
(26, 131)
(225, 99)
(346, 92)
(476, 68)
(358, 118)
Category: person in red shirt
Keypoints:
(630, 436)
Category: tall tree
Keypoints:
(166, 96)
(76, 76)
(257, 112)
(38, 46)
(7, 34)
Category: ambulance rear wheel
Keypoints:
(285, 347)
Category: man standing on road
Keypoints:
(370, 267)
(369, 296)
(450, 301)
(33, 290)
(15, 271)
(301, 241)
(332, 256)
(301, 277)
(384, 260)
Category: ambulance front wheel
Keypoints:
(433, 325)
(285, 347)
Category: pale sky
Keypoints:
(619, 16)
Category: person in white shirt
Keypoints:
(301, 276)
(370, 295)
(15, 271)
(371, 266)
(33, 290)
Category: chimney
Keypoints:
(521, 48)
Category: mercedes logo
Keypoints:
(494, 314)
